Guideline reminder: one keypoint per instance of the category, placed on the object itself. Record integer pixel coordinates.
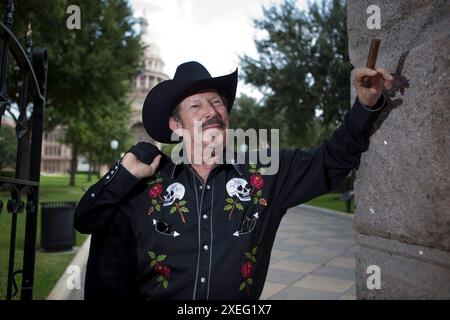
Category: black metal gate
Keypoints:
(32, 63)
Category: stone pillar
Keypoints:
(402, 186)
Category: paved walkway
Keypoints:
(313, 258)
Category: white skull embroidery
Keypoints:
(173, 192)
(239, 188)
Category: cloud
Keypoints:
(211, 32)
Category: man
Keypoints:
(205, 230)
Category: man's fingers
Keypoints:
(155, 164)
(386, 75)
(364, 72)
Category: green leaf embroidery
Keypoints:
(250, 281)
(165, 284)
(154, 202)
(259, 193)
(228, 207)
(152, 254)
(229, 200)
(255, 200)
(239, 206)
(159, 180)
(242, 286)
(182, 203)
(158, 207)
(252, 170)
(248, 255)
(253, 259)
(184, 209)
(173, 209)
(161, 257)
(252, 165)
(160, 278)
(153, 263)
(254, 250)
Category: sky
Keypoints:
(212, 32)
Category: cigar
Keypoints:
(371, 59)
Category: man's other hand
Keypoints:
(142, 160)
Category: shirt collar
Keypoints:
(229, 161)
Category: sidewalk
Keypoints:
(313, 257)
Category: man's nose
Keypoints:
(210, 110)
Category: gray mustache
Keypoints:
(212, 121)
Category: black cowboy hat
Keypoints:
(189, 78)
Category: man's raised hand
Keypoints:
(379, 79)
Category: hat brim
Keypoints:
(166, 95)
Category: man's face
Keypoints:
(202, 115)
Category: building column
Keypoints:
(402, 187)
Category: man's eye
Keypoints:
(194, 106)
(217, 102)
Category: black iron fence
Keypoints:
(23, 189)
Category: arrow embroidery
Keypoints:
(247, 225)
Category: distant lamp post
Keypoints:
(244, 148)
(114, 144)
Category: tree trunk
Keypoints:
(98, 170)
(73, 165)
(90, 170)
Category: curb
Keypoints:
(347, 216)
(61, 291)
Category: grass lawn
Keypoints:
(329, 201)
(49, 266)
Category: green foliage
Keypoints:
(302, 69)
(8, 148)
(90, 70)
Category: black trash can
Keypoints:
(57, 230)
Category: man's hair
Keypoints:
(176, 112)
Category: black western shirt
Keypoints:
(212, 240)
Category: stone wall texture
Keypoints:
(402, 186)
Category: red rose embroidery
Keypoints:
(155, 190)
(163, 270)
(257, 181)
(247, 269)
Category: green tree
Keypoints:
(302, 69)
(90, 70)
(8, 149)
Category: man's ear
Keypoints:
(176, 126)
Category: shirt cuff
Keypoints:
(377, 106)
(124, 181)
(363, 117)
